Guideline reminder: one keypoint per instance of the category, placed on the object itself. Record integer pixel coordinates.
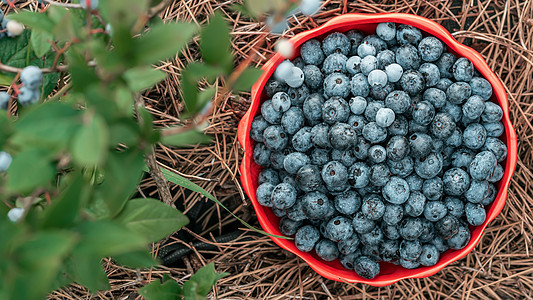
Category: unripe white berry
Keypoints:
(285, 48)
(14, 28)
(15, 214)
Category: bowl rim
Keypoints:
(432, 28)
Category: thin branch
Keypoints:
(57, 69)
(151, 162)
(67, 5)
(158, 8)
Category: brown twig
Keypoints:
(67, 5)
(56, 69)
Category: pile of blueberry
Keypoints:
(378, 148)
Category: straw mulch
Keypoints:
(500, 267)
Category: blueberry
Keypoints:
(412, 82)
(373, 238)
(280, 213)
(473, 107)
(348, 203)
(397, 148)
(410, 249)
(463, 70)
(288, 226)
(32, 77)
(458, 92)
(369, 64)
(456, 182)
(377, 154)
(347, 260)
(374, 133)
(335, 176)
(4, 100)
(337, 84)
(275, 137)
(259, 124)
(5, 161)
(400, 126)
(390, 231)
(436, 97)
(315, 205)
(319, 135)
(298, 95)
(407, 34)
(308, 178)
(396, 190)
(409, 264)
(312, 108)
(477, 191)
(492, 192)
(327, 250)
(261, 155)
(346, 157)
(385, 58)
(377, 78)
(336, 43)
(461, 239)
(429, 166)
(281, 102)
(359, 175)
(423, 113)
(420, 144)
(386, 31)
(497, 147)
(342, 136)
(372, 110)
(306, 238)
(462, 158)
(28, 96)
(435, 210)
(453, 110)
(320, 156)
(415, 204)
(433, 188)
(366, 49)
(402, 168)
(389, 250)
(443, 84)
(442, 126)
(301, 140)
(430, 49)
(264, 194)
(475, 214)
(335, 110)
(393, 214)
(407, 57)
(311, 52)
(430, 73)
(296, 213)
(366, 267)
(353, 65)
(268, 175)
(336, 62)
(415, 182)
(481, 87)
(428, 231)
(494, 129)
(283, 196)
(292, 120)
(445, 64)
(339, 228)
(278, 157)
(355, 37)
(394, 72)
(269, 113)
(429, 255)
(440, 244)
(456, 139)
(379, 174)
(273, 86)
(492, 113)
(474, 136)
(358, 105)
(385, 117)
(294, 161)
(360, 151)
(359, 85)
(296, 78)
(313, 77)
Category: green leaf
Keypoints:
(136, 259)
(168, 290)
(106, 238)
(6, 79)
(259, 7)
(123, 172)
(248, 77)
(65, 210)
(202, 282)
(186, 138)
(186, 183)
(16, 52)
(50, 125)
(204, 97)
(90, 145)
(151, 218)
(87, 270)
(244, 11)
(200, 70)
(215, 43)
(39, 42)
(30, 169)
(142, 78)
(35, 20)
(163, 41)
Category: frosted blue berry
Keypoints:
(311, 52)
(374, 133)
(412, 82)
(281, 102)
(474, 136)
(435, 210)
(475, 214)
(402, 168)
(306, 237)
(473, 107)
(338, 84)
(455, 206)
(308, 178)
(429, 255)
(319, 135)
(312, 108)
(339, 228)
(463, 70)
(460, 239)
(366, 267)
(386, 31)
(15, 214)
(377, 154)
(445, 64)
(431, 74)
(494, 129)
(430, 49)
(336, 42)
(313, 77)
(353, 65)
(423, 113)
(28, 96)
(264, 194)
(296, 78)
(293, 120)
(358, 105)
(481, 87)
(396, 191)
(4, 100)
(483, 165)
(385, 58)
(283, 196)
(359, 85)
(301, 140)
(268, 175)
(5, 161)
(294, 161)
(407, 34)
(377, 78)
(415, 204)
(335, 110)
(335, 62)
(436, 97)
(394, 72)
(407, 57)
(309, 7)
(368, 64)
(429, 166)
(442, 126)
(492, 113)
(433, 188)
(269, 113)
(275, 137)
(366, 49)
(359, 175)
(348, 203)
(459, 92)
(283, 70)
(385, 117)
(92, 4)
(497, 147)
(456, 181)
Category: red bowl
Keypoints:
(367, 23)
